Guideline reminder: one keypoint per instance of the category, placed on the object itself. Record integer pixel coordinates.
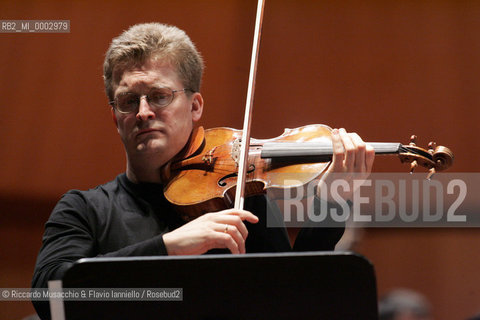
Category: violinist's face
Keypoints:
(157, 134)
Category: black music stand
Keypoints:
(310, 285)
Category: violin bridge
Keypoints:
(208, 157)
(235, 154)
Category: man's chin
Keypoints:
(150, 146)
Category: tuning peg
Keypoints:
(431, 172)
(413, 165)
(413, 139)
(431, 146)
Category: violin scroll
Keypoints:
(443, 158)
(436, 158)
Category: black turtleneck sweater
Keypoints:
(122, 219)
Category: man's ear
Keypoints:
(197, 106)
(114, 117)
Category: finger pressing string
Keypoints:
(360, 163)
(338, 151)
(349, 146)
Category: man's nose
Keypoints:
(145, 111)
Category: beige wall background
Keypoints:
(385, 69)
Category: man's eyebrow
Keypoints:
(150, 88)
(123, 92)
(157, 87)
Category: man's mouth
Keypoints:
(146, 131)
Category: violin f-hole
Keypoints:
(222, 182)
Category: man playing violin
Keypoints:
(152, 76)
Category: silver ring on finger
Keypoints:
(226, 228)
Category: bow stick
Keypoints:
(243, 164)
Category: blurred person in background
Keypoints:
(404, 304)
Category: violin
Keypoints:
(219, 167)
(203, 178)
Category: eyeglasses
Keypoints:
(129, 102)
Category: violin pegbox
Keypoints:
(436, 158)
